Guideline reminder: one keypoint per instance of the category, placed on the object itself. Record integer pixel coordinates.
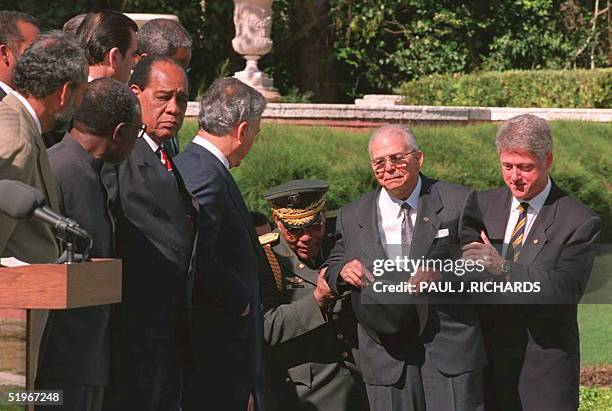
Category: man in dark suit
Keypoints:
(155, 232)
(412, 355)
(545, 236)
(312, 334)
(50, 79)
(17, 32)
(74, 353)
(226, 318)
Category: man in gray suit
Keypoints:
(544, 236)
(50, 79)
(17, 32)
(413, 356)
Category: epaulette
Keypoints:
(269, 238)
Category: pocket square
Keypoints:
(442, 233)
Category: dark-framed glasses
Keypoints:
(299, 231)
(396, 159)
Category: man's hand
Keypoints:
(356, 274)
(323, 294)
(423, 276)
(486, 253)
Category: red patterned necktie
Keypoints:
(165, 159)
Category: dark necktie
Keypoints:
(407, 229)
(518, 234)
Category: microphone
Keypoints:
(21, 202)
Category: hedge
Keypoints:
(537, 88)
(465, 155)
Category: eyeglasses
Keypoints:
(141, 129)
(397, 159)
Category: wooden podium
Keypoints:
(57, 286)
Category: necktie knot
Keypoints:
(523, 206)
(164, 158)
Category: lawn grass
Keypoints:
(595, 399)
(595, 322)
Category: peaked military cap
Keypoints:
(298, 203)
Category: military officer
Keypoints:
(311, 335)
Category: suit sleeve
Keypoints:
(220, 283)
(566, 282)
(16, 163)
(336, 259)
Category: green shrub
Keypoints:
(538, 88)
(465, 155)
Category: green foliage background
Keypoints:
(364, 46)
(514, 88)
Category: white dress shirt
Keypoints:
(201, 141)
(390, 216)
(30, 110)
(535, 205)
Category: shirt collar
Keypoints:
(30, 109)
(7, 89)
(537, 202)
(154, 146)
(412, 200)
(201, 141)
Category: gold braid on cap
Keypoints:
(300, 216)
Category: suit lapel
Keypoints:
(369, 235)
(496, 225)
(428, 221)
(537, 235)
(46, 175)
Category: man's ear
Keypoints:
(135, 89)
(549, 160)
(241, 130)
(65, 93)
(4, 54)
(114, 56)
(117, 132)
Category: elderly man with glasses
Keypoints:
(312, 334)
(413, 355)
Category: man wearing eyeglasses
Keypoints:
(413, 356)
(74, 353)
(312, 334)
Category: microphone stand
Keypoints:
(70, 239)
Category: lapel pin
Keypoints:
(536, 241)
(425, 219)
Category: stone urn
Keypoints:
(253, 22)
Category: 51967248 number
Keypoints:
(31, 397)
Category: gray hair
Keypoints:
(527, 132)
(404, 131)
(9, 32)
(53, 59)
(162, 37)
(226, 103)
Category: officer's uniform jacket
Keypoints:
(312, 356)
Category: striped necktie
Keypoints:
(518, 234)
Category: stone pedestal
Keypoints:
(253, 22)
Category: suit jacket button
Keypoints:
(287, 379)
(335, 317)
(340, 336)
(345, 354)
